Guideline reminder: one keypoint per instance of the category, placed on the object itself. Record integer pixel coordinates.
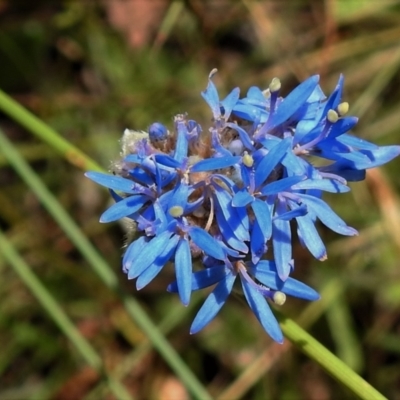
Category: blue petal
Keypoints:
(293, 101)
(210, 95)
(181, 147)
(168, 161)
(215, 163)
(112, 182)
(206, 242)
(183, 270)
(334, 99)
(327, 215)
(132, 250)
(297, 211)
(244, 136)
(249, 112)
(230, 213)
(328, 185)
(341, 126)
(147, 254)
(154, 269)
(282, 242)
(213, 303)
(355, 142)
(241, 198)
(381, 156)
(180, 196)
(228, 233)
(204, 278)
(123, 208)
(261, 310)
(282, 185)
(263, 217)
(271, 160)
(229, 102)
(257, 243)
(310, 237)
(291, 287)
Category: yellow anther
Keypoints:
(343, 108)
(248, 160)
(275, 85)
(279, 298)
(176, 211)
(332, 116)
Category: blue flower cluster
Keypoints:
(230, 195)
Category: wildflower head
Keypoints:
(228, 194)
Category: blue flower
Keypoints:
(231, 194)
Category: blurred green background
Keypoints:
(91, 69)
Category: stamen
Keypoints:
(275, 85)
(176, 211)
(332, 116)
(248, 160)
(279, 298)
(343, 108)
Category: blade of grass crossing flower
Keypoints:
(102, 269)
(57, 314)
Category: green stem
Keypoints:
(333, 365)
(46, 133)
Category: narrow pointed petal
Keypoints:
(271, 160)
(181, 147)
(112, 182)
(244, 136)
(381, 156)
(180, 196)
(281, 185)
(291, 287)
(326, 215)
(230, 213)
(210, 95)
(132, 251)
(154, 269)
(183, 270)
(229, 102)
(241, 198)
(123, 208)
(263, 215)
(148, 254)
(310, 237)
(210, 164)
(207, 243)
(204, 278)
(327, 185)
(297, 211)
(282, 242)
(257, 243)
(261, 310)
(293, 101)
(214, 302)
